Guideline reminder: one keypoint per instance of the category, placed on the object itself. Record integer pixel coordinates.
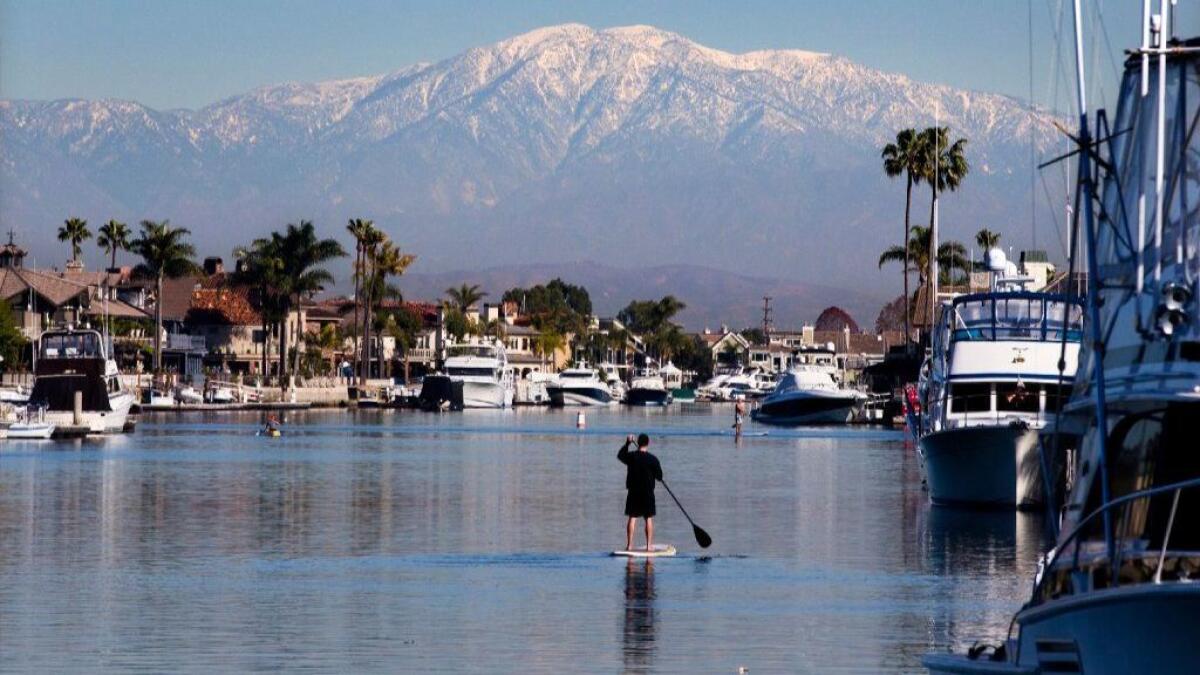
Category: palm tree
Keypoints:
(952, 255)
(165, 253)
(262, 267)
(360, 229)
(114, 237)
(373, 240)
(74, 230)
(905, 156)
(465, 296)
(945, 167)
(387, 261)
(303, 255)
(547, 343)
(987, 240)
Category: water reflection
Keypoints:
(638, 634)
(403, 542)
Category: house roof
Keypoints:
(117, 310)
(228, 305)
(51, 286)
(921, 306)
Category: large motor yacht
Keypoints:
(578, 386)
(647, 389)
(993, 384)
(810, 393)
(482, 372)
(71, 361)
(1120, 590)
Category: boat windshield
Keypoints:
(482, 351)
(1017, 316)
(71, 346)
(470, 372)
(577, 374)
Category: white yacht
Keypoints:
(1120, 590)
(578, 386)
(648, 389)
(71, 361)
(487, 381)
(810, 393)
(992, 385)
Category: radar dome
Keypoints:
(996, 260)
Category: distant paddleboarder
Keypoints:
(739, 415)
(643, 471)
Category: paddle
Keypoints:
(702, 537)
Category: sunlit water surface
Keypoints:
(403, 541)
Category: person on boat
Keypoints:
(739, 415)
(642, 472)
(272, 428)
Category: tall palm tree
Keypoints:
(905, 157)
(359, 229)
(987, 240)
(165, 253)
(373, 240)
(387, 261)
(465, 296)
(75, 231)
(303, 274)
(114, 237)
(945, 167)
(262, 267)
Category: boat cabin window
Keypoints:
(70, 346)
(971, 397)
(1148, 450)
(1019, 317)
(471, 372)
(1018, 397)
(576, 375)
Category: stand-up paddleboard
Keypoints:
(658, 551)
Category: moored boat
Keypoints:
(993, 383)
(578, 386)
(73, 362)
(1120, 590)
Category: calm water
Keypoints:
(405, 541)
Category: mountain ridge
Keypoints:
(628, 143)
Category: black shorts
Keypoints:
(639, 504)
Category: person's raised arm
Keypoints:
(623, 453)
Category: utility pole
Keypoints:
(767, 323)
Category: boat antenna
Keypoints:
(1086, 192)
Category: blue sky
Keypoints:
(170, 53)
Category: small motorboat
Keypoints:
(30, 431)
(189, 396)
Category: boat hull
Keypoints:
(805, 408)
(1147, 628)
(647, 397)
(486, 395)
(97, 421)
(576, 397)
(995, 467)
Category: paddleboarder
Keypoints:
(643, 470)
(739, 414)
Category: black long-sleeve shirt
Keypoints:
(643, 470)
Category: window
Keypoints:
(1017, 397)
(970, 397)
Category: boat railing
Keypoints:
(1070, 542)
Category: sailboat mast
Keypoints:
(1093, 276)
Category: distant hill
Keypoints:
(713, 297)
(632, 145)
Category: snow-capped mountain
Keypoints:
(631, 145)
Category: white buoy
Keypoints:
(580, 420)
